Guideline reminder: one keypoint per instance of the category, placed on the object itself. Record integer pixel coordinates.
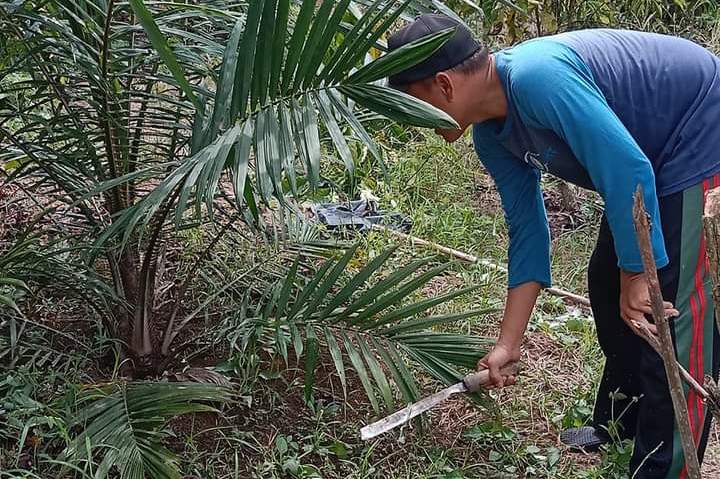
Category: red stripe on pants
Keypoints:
(698, 305)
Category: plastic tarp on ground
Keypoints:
(358, 215)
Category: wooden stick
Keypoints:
(474, 259)
(666, 349)
(653, 341)
(711, 225)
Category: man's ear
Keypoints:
(444, 81)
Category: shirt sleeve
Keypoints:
(558, 93)
(522, 201)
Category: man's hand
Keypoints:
(520, 302)
(499, 357)
(635, 301)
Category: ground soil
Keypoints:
(562, 217)
(551, 370)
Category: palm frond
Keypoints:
(368, 326)
(55, 267)
(123, 425)
(7, 287)
(284, 102)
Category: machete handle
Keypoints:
(475, 381)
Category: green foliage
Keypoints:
(109, 430)
(130, 116)
(9, 286)
(510, 456)
(367, 326)
(275, 114)
(538, 18)
(123, 426)
(616, 455)
(26, 416)
(289, 456)
(576, 415)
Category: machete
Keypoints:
(470, 383)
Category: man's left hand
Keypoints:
(635, 301)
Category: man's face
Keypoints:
(443, 92)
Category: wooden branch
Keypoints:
(713, 399)
(703, 391)
(666, 349)
(711, 225)
(575, 298)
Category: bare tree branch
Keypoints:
(666, 349)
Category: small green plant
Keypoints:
(28, 423)
(576, 415)
(616, 454)
(442, 465)
(294, 456)
(509, 455)
(289, 455)
(123, 426)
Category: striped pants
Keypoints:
(632, 367)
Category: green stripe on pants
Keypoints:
(694, 329)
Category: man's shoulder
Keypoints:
(535, 67)
(536, 55)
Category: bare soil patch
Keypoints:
(563, 212)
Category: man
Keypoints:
(606, 110)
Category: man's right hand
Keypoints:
(499, 357)
(518, 307)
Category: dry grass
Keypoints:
(711, 464)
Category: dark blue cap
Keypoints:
(456, 50)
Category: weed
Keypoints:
(576, 414)
(616, 454)
(510, 455)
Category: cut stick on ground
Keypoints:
(575, 298)
(666, 349)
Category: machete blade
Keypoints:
(404, 415)
(471, 382)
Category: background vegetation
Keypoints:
(168, 310)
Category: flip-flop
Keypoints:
(584, 439)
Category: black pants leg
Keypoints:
(632, 367)
(620, 346)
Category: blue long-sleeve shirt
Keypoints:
(607, 110)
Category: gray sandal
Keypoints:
(584, 439)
